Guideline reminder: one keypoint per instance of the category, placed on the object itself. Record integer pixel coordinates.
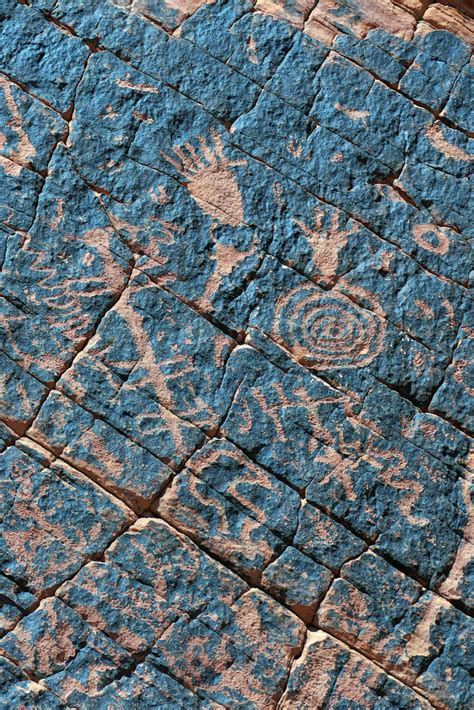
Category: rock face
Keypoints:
(237, 347)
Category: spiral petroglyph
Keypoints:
(326, 331)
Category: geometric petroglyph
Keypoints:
(326, 331)
(431, 237)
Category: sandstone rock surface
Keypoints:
(236, 352)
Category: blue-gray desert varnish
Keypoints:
(236, 352)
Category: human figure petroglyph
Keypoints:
(208, 178)
(326, 241)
